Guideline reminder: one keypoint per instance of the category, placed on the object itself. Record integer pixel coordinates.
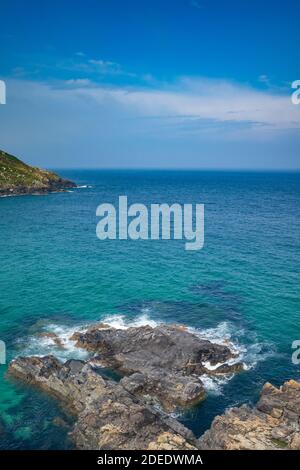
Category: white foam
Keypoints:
(39, 345)
(120, 322)
(228, 335)
(210, 366)
(221, 334)
(214, 385)
(224, 334)
(44, 345)
(83, 186)
(257, 352)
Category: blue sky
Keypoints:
(151, 83)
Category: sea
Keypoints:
(240, 289)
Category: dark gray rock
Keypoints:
(164, 363)
(159, 366)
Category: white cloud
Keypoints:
(78, 118)
(82, 64)
(204, 99)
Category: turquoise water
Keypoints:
(243, 285)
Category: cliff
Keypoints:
(18, 178)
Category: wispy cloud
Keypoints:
(96, 66)
(77, 64)
(203, 99)
(78, 117)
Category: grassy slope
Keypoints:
(16, 176)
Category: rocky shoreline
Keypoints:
(164, 363)
(17, 178)
(47, 187)
(160, 371)
(273, 424)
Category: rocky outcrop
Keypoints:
(161, 365)
(17, 178)
(157, 366)
(164, 363)
(273, 424)
(108, 416)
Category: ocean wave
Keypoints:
(59, 345)
(121, 322)
(225, 333)
(83, 186)
(214, 385)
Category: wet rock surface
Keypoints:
(108, 416)
(165, 363)
(274, 423)
(160, 371)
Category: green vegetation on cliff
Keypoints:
(18, 178)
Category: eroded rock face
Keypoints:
(161, 365)
(169, 390)
(108, 416)
(164, 363)
(166, 346)
(273, 424)
(120, 415)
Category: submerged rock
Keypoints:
(273, 424)
(52, 336)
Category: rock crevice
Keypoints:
(161, 371)
(274, 423)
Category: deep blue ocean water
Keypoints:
(243, 286)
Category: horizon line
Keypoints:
(224, 170)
